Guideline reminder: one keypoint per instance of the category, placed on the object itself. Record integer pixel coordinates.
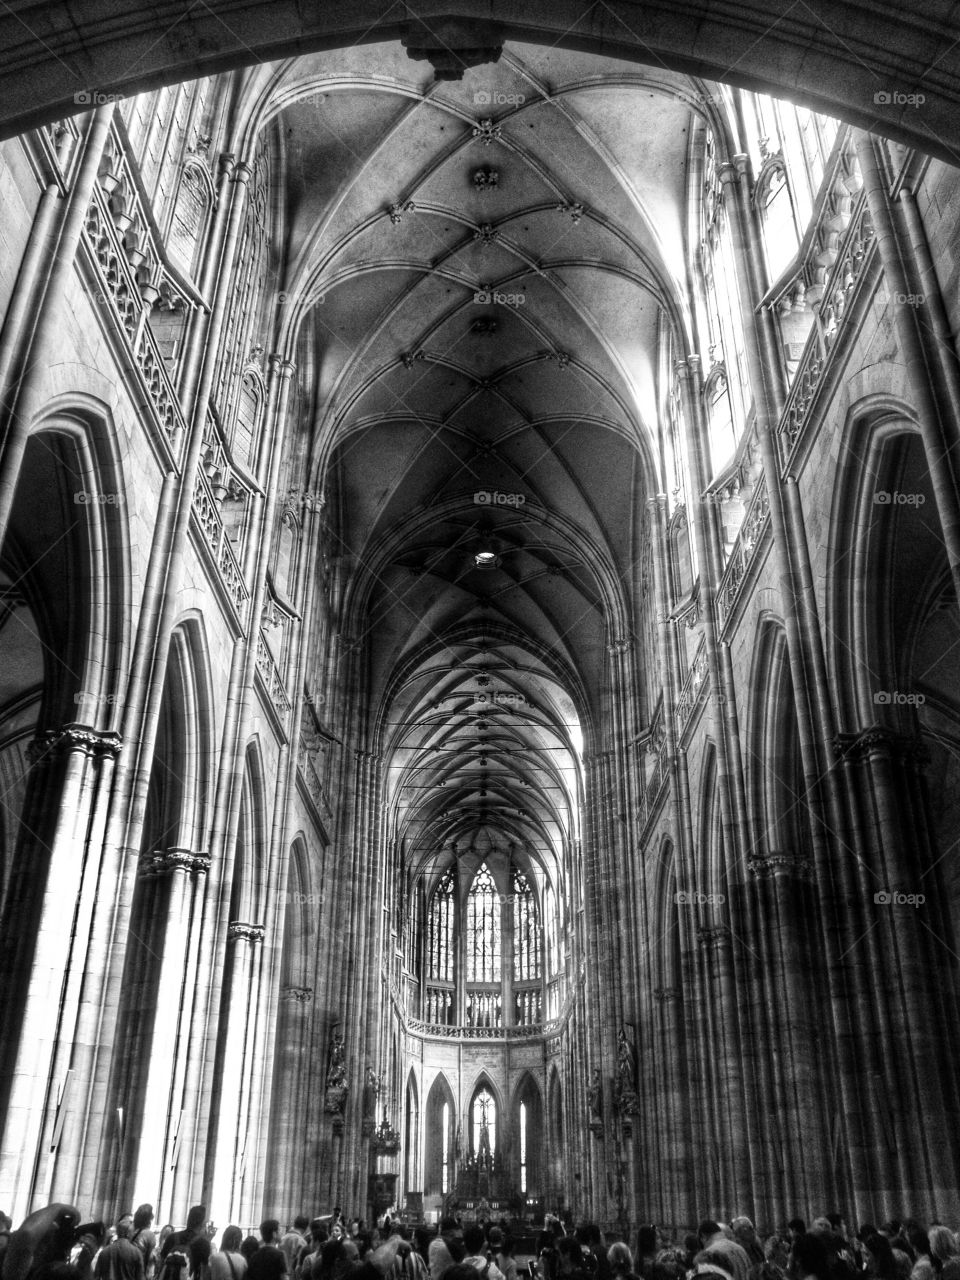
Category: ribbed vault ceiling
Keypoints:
(486, 268)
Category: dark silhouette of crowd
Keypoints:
(54, 1244)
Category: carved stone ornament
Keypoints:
(46, 746)
(452, 45)
(243, 931)
(163, 862)
(335, 1094)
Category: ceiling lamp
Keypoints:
(486, 557)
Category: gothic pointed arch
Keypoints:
(526, 1149)
(413, 1162)
(441, 1130)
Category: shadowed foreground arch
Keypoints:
(869, 66)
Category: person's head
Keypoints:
(143, 1217)
(796, 1227)
(495, 1239)
(474, 1237)
(249, 1246)
(670, 1264)
(708, 1266)
(330, 1254)
(647, 1241)
(918, 1239)
(620, 1257)
(452, 1234)
(569, 1254)
(838, 1223)
(197, 1217)
(809, 1257)
(200, 1249)
(943, 1243)
(707, 1230)
(268, 1263)
(880, 1259)
(459, 1271)
(300, 1223)
(269, 1230)
(124, 1226)
(232, 1240)
(776, 1249)
(742, 1228)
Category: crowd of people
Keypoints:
(53, 1244)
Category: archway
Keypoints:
(56, 62)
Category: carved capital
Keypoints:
(665, 994)
(779, 863)
(162, 862)
(242, 930)
(53, 743)
(302, 995)
(713, 939)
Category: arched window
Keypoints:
(445, 1150)
(483, 1123)
(523, 1147)
(780, 240)
(483, 929)
(440, 931)
(526, 929)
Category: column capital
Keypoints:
(665, 994)
(162, 862)
(780, 863)
(713, 938)
(281, 365)
(731, 171)
(620, 644)
(241, 929)
(875, 740)
(52, 743)
(302, 995)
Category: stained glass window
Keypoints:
(483, 929)
(440, 932)
(484, 1118)
(526, 929)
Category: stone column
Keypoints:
(152, 1148)
(229, 1155)
(53, 879)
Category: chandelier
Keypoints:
(386, 1139)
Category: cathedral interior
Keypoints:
(479, 648)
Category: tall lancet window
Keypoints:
(526, 929)
(484, 1125)
(440, 947)
(483, 929)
